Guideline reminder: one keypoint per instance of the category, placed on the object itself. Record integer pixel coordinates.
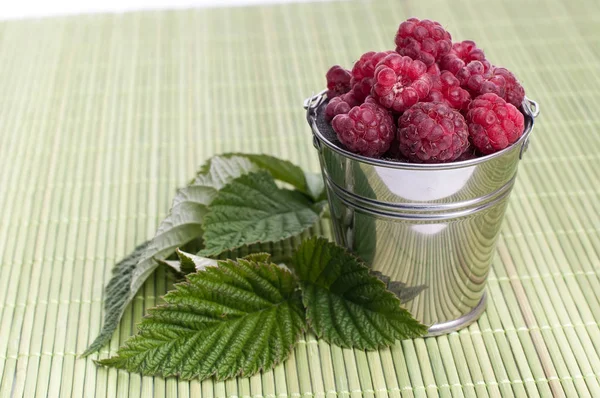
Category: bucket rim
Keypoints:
(529, 108)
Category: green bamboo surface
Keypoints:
(102, 117)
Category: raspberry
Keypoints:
(423, 40)
(336, 106)
(363, 71)
(340, 105)
(468, 155)
(514, 91)
(338, 81)
(394, 153)
(400, 82)
(447, 89)
(367, 129)
(461, 54)
(432, 133)
(477, 78)
(494, 123)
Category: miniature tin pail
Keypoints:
(430, 230)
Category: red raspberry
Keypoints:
(394, 153)
(447, 89)
(340, 105)
(400, 82)
(514, 91)
(494, 124)
(338, 81)
(469, 154)
(425, 40)
(432, 133)
(477, 78)
(336, 106)
(367, 129)
(461, 54)
(363, 71)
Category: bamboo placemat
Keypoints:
(101, 117)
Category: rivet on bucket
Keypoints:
(432, 227)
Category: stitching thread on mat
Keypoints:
(67, 221)
(551, 159)
(529, 329)
(589, 231)
(429, 386)
(370, 391)
(549, 275)
(72, 220)
(49, 354)
(555, 194)
(519, 329)
(316, 342)
(46, 302)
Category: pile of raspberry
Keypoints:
(428, 101)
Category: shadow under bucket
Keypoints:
(430, 228)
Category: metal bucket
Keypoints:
(429, 228)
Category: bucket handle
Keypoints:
(533, 109)
(311, 104)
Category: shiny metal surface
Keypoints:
(423, 225)
(456, 324)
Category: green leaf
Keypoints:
(221, 170)
(232, 320)
(280, 251)
(404, 292)
(345, 304)
(182, 225)
(174, 264)
(315, 186)
(310, 184)
(253, 209)
(116, 296)
(190, 262)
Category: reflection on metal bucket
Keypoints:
(431, 227)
